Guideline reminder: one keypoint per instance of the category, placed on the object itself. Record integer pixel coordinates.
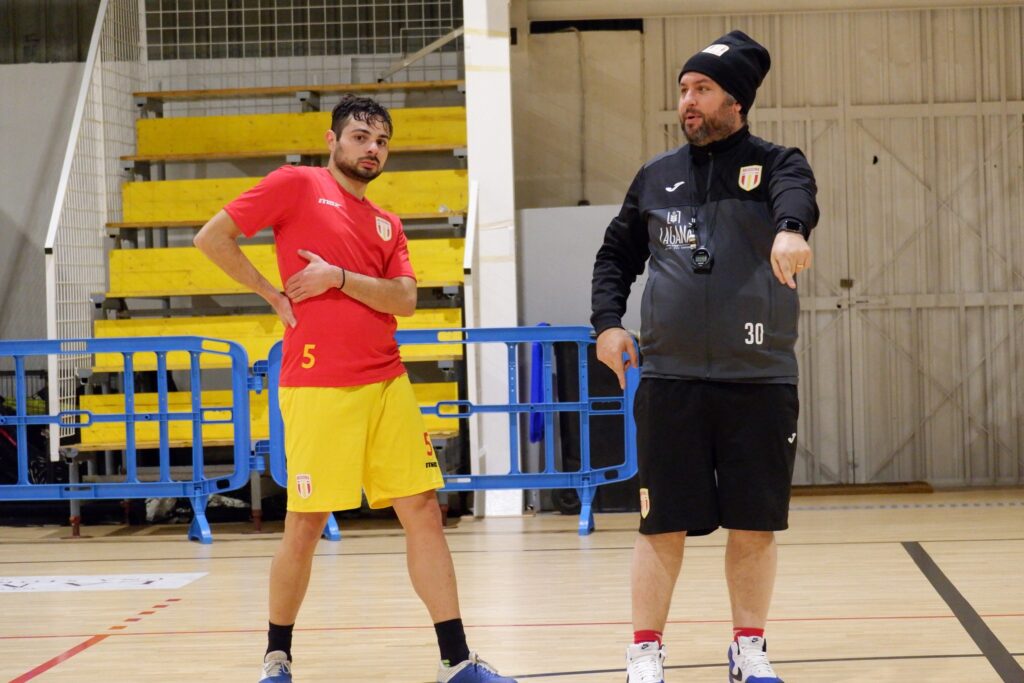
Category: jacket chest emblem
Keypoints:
(384, 228)
(750, 177)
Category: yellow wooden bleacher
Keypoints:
(111, 436)
(185, 271)
(279, 90)
(197, 138)
(179, 203)
(256, 333)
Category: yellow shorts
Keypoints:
(340, 441)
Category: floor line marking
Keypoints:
(81, 647)
(1008, 668)
(585, 624)
(67, 654)
(574, 549)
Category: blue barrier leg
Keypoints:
(586, 495)
(199, 530)
(331, 530)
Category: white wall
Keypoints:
(36, 108)
(556, 251)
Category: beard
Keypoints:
(716, 126)
(354, 171)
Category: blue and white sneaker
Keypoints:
(645, 663)
(472, 670)
(277, 668)
(748, 661)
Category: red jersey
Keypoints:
(337, 340)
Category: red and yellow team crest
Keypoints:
(384, 227)
(645, 503)
(750, 177)
(304, 485)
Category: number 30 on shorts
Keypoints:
(308, 359)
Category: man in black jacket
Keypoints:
(724, 222)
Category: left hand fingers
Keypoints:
(784, 267)
(310, 256)
(777, 269)
(789, 269)
(296, 289)
(789, 259)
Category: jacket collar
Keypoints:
(700, 155)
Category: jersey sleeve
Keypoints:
(265, 204)
(793, 190)
(399, 264)
(622, 257)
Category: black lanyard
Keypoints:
(701, 257)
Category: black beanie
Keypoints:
(736, 62)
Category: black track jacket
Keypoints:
(737, 322)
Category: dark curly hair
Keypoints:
(363, 109)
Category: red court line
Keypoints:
(578, 624)
(64, 656)
(46, 666)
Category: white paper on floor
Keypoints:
(98, 582)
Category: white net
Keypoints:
(219, 29)
(90, 187)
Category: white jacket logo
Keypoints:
(384, 228)
(675, 235)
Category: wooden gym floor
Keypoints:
(925, 587)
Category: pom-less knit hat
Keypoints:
(736, 62)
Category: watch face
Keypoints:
(702, 260)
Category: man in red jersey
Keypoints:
(352, 422)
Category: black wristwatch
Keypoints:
(790, 225)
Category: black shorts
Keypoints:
(714, 454)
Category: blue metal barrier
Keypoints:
(199, 487)
(585, 480)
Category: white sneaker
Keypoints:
(277, 668)
(748, 661)
(645, 663)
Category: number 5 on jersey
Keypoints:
(308, 359)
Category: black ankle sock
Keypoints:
(451, 640)
(280, 638)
